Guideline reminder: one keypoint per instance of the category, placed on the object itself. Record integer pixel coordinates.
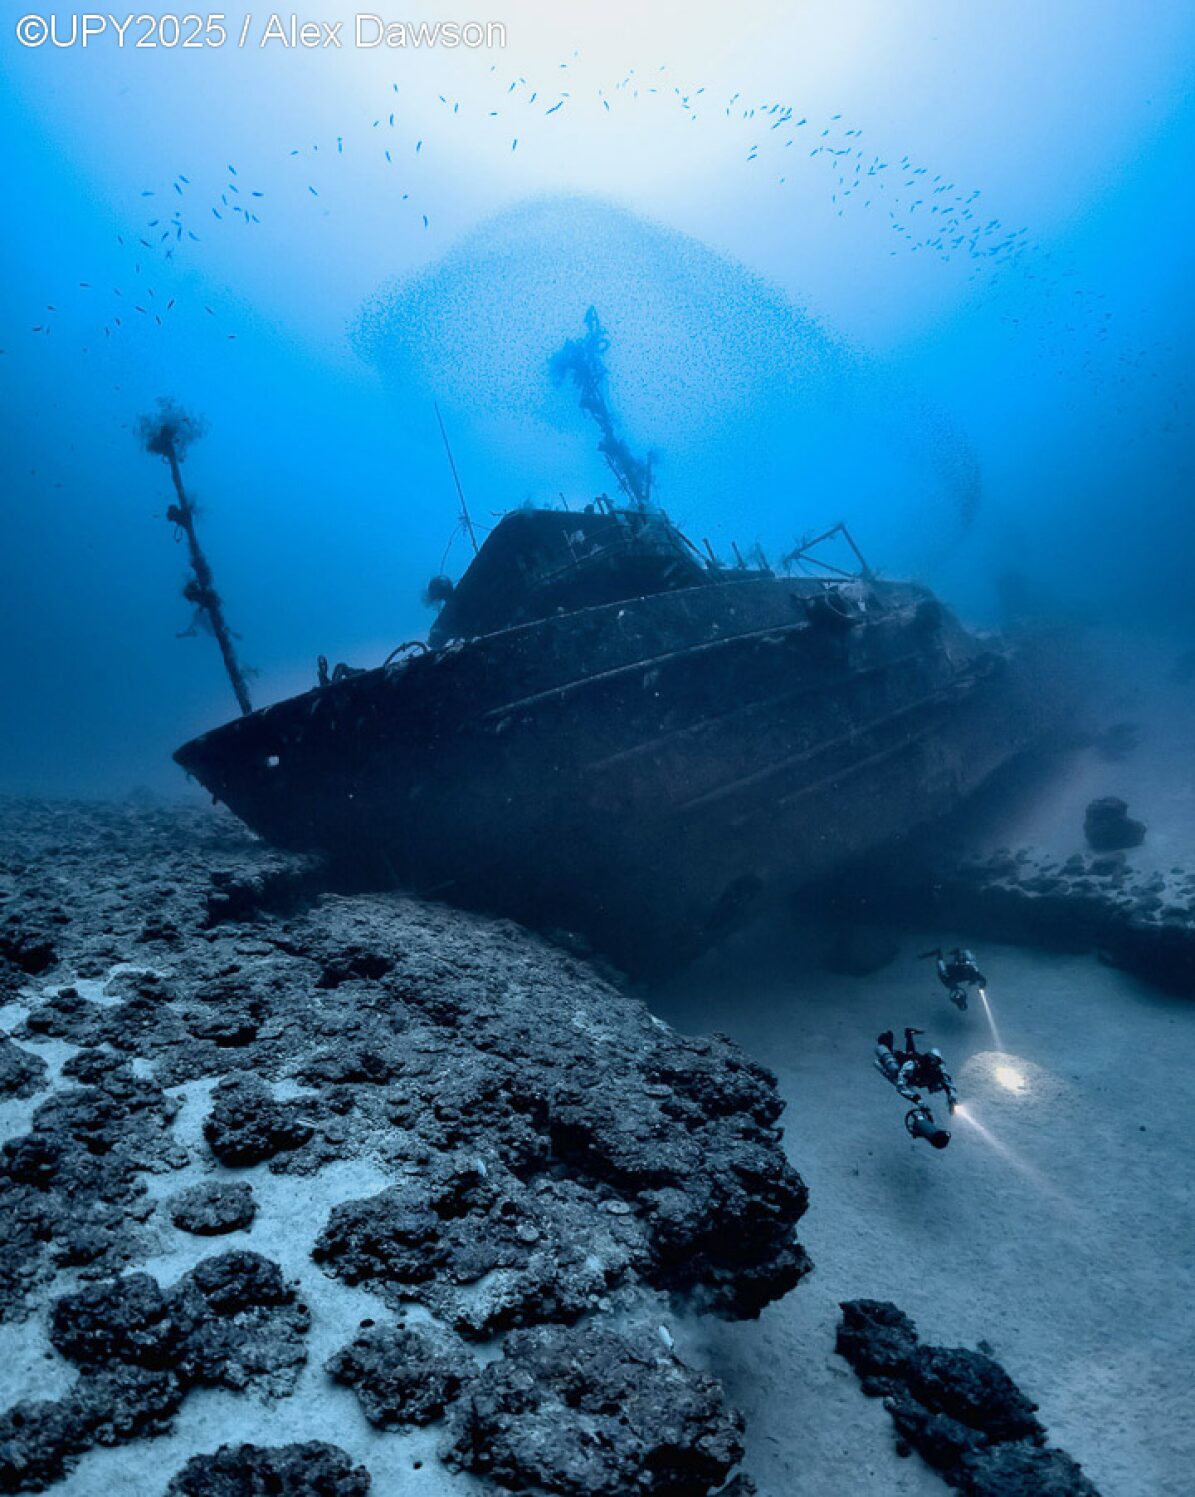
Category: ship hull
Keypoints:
(645, 773)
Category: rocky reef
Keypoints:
(546, 1168)
(958, 1409)
(1141, 922)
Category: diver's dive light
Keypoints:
(920, 1123)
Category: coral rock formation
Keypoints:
(590, 1413)
(516, 1145)
(312, 1469)
(958, 1409)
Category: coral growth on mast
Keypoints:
(583, 361)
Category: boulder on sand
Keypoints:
(1109, 826)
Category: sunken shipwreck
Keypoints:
(613, 733)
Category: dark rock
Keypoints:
(973, 1389)
(958, 1409)
(876, 1338)
(28, 942)
(129, 1320)
(400, 1376)
(1109, 827)
(246, 1125)
(215, 1207)
(231, 1322)
(21, 1072)
(587, 1412)
(312, 1469)
(70, 1191)
(437, 1234)
(39, 1442)
(555, 1153)
(1023, 1470)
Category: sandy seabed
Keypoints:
(1059, 1225)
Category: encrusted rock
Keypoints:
(70, 1188)
(40, 1441)
(877, 1340)
(959, 1409)
(401, 1376)
(311, 1469)
(554, 1154)
(586, 1412)
(232, 1321)
(21, 1072)
(213, 1208)
(246, 1125)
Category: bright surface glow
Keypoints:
(1010, 1078)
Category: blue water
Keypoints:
(925, 269)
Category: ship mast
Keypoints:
(583, 361)
(167, 434)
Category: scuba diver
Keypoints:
(912, 1071)
(957, 972)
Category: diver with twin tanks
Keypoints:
(912, 1071)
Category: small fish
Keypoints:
(312, 191)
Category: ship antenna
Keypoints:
(456, 478)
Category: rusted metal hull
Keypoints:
(643, 773)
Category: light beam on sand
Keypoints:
(987, 1008)
(1010, 1078)
(1011, 1157)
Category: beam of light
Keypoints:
(1027, 1171)
(1010, 1078)
(987, 1008)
